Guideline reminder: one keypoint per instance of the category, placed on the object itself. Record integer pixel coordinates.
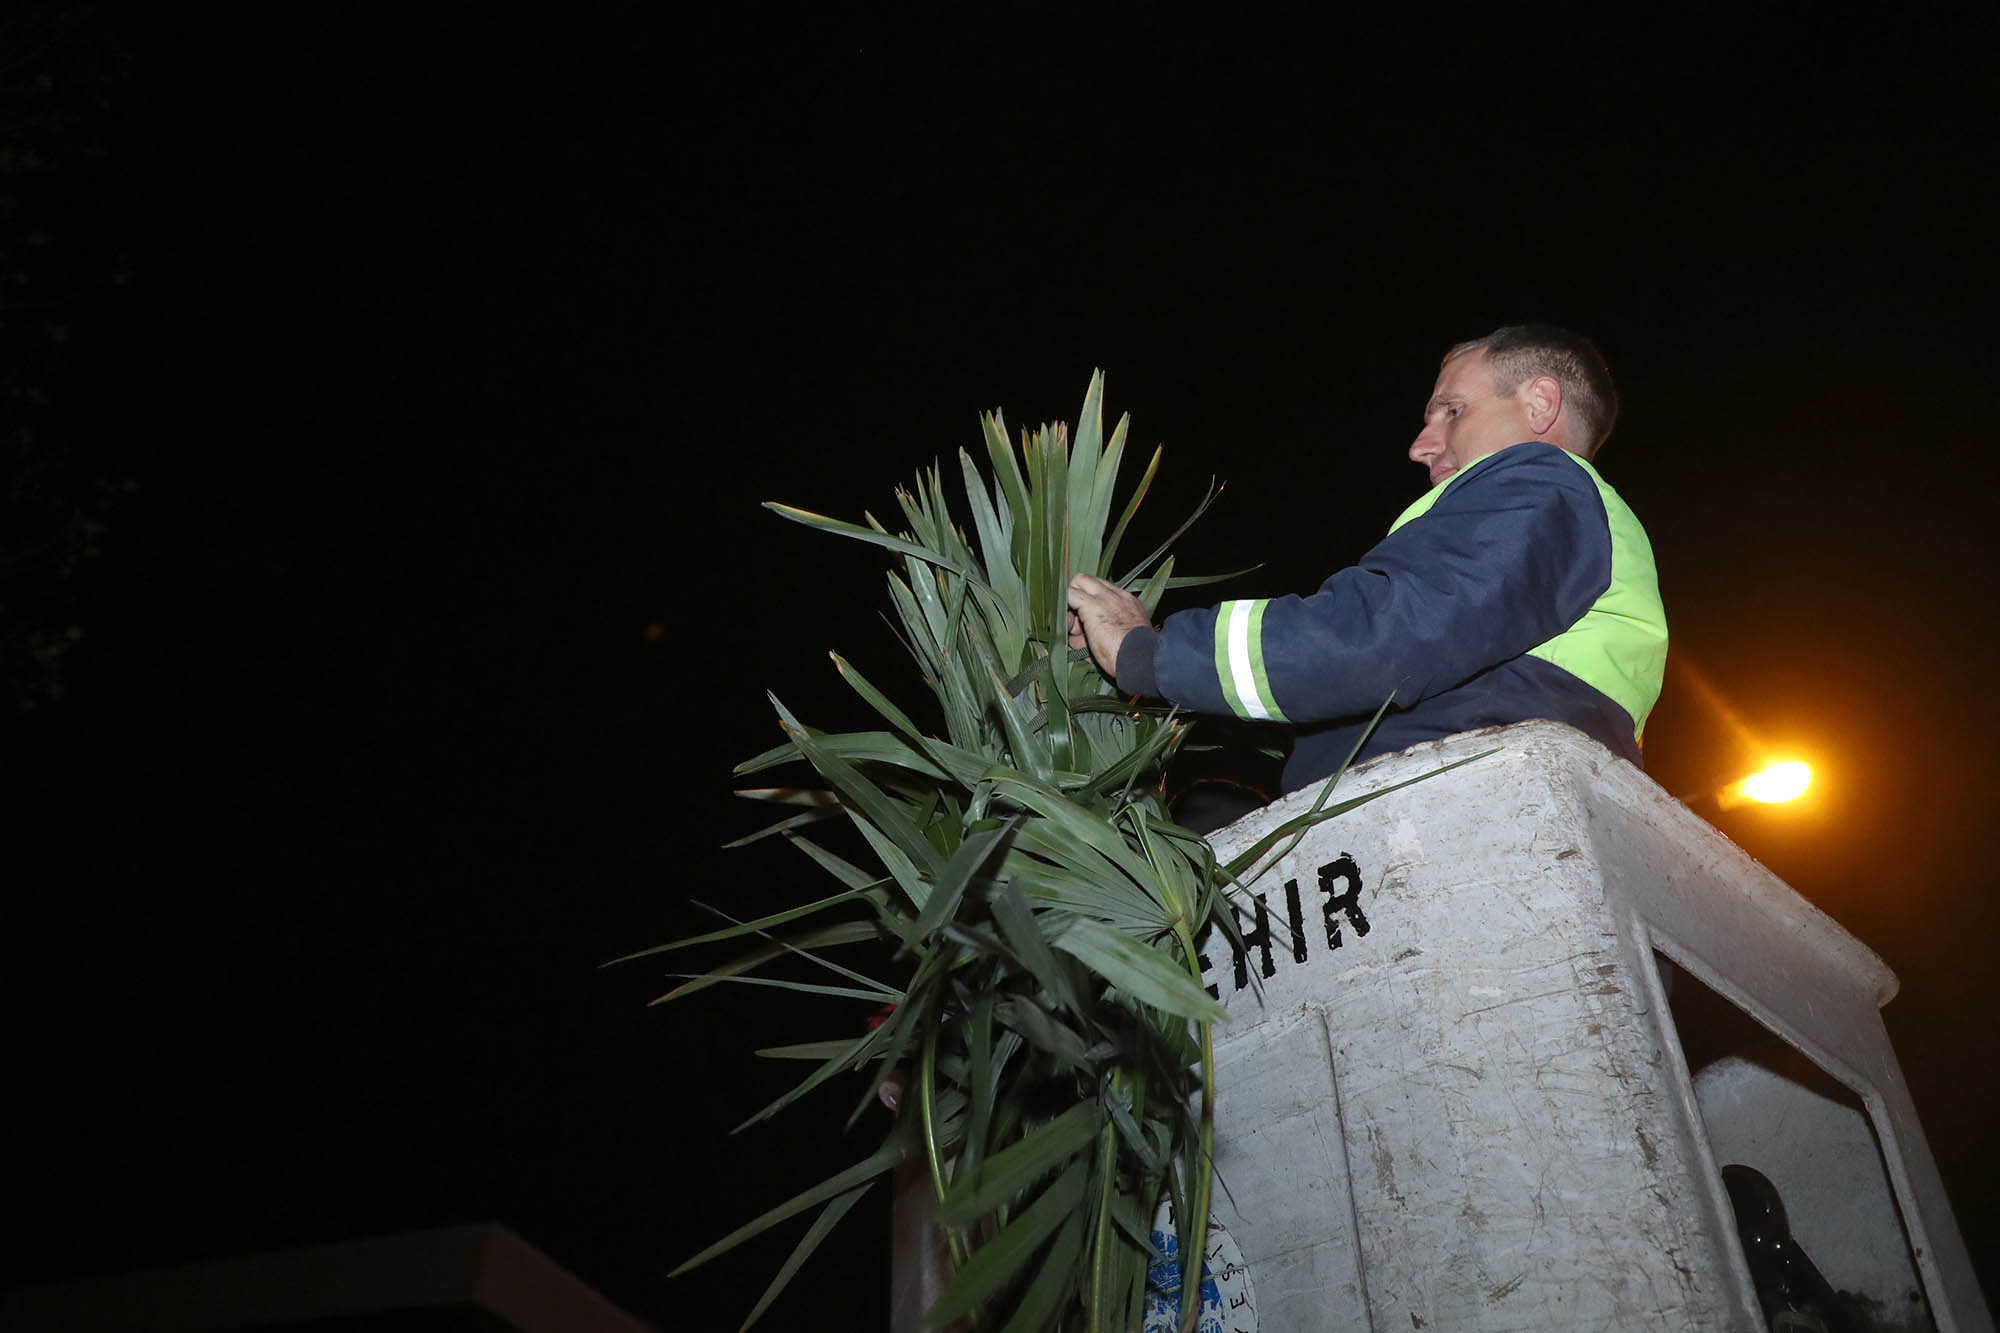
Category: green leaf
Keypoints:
(881, 995)
(879, 538)
(818, 796)
(1146, 975)
(1092, 888)
(996, 529)
(944, 670)
(1186, 523)
(1085, 453)
(822, 1226)
(917, 635)
(880, 702)
(1013, 1169)
(783, 826)
(841, 869)
(909, 877)
(859, 1052)
(860, 747)
(1000, 1258)
(846, 932)
(1172, 879)
(1118, 1105)
(866, 982)
(1101, 1283)
(1204, 580)
(1298, 824)
(958, 872)
(1044, 1032)
(1115, 781)
(1048, 469)
(1016, 920)
(924, 525)
(1134, 1267)
(1153, 589)
(1136, 709)
(900, 1031)
(882, 1159)
(1081, 826)
(808, 1050)
(1007, 475)
(938, 623)
(1100, 499)
(867, 798)
(980, 1082)
(1063, 741)
(762, 923)
(1136, 1224)
(1052, 1281)
(1131, 508)
(1028, 750)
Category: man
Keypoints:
(1519, 586)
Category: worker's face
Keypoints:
(1465, 420)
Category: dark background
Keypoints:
(397, 463)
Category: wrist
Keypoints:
(1135, 656)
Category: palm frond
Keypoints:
(1045, 905)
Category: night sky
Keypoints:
(450, 357)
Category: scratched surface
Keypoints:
(1449, 1097)
(1813, 1142)
(1284, 1174)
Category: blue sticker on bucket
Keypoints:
(1227, 1304)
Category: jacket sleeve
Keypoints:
(1512, 554)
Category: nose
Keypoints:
(1426, 446)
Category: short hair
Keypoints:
(1519, 352)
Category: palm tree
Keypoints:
(1043, 907)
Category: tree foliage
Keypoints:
(1049, 1016)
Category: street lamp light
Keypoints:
(1773, 784)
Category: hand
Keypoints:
(1100, 616)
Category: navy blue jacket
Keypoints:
(1518, 561)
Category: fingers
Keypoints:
(1094, 602)
(1090, 598)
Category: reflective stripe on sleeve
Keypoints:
(1239, 661)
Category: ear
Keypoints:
(1542, 399)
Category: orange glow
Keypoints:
(1775, 783)
(1704, 689)
(1778, 782)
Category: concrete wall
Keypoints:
(1452, 1095)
